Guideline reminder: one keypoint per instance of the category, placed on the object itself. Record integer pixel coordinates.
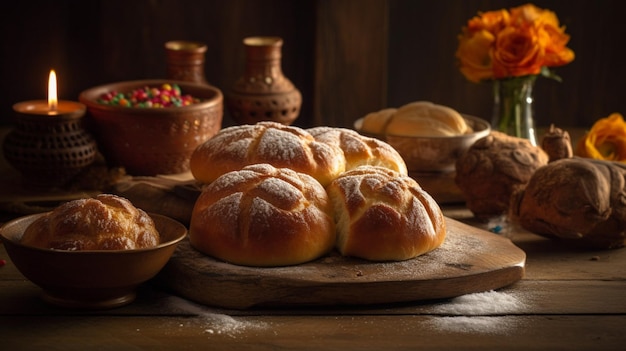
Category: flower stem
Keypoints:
(513, 112)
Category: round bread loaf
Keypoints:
(266, 142)
(107, 222)
(423, 118)
(416, 119)
(376, 122)
(263, 216)
(384, 216)
(360, 150)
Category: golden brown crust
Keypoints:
(376, 122)
(360, 150)
(263, 216)
(107, 222)
(384, 216)
(266, 142)
(416, 119)
(423, 118)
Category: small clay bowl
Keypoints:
(96, 279)
(152, 141)
(433, 154)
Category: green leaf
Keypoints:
(546, 72)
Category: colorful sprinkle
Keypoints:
(497, 229)
(168, 95)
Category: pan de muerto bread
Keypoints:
(263, 216)
(360, 150)
(107, 222)
(382, 215)
(266, 142)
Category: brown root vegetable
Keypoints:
(577, 199)
(557, 144)
(493, 169)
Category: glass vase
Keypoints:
(513, 107)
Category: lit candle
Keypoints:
(53, 106)
(52, 92)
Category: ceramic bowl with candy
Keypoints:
(151, 127)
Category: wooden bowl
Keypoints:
(94, 279)
(151, 141)
(433, 154)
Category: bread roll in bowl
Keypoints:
(266, 142)
(423, 118)
(416, 119)
(360, 150)
(382, 215)
(376, 122)
(263, 216)
(106, 222)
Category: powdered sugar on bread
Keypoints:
(263, 216)
(384, 216)
(360, 150)
(281, 146)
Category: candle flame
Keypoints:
(52, 92)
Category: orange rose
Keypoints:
(556, 51)
(474, 55)
(551, 35)
(530, 13)
(506, 44)
(476, 43)
(492, 21)
(606, 140)
(517, 53)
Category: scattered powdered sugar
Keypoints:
(213, 323)
(483, 303)
(474, 325)
(225, 324)
(488, 312)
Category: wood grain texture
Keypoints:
(569, 299)
(330, 332)
(470, 260)
(350, 61)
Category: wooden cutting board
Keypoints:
(470, 260)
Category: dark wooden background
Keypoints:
(348, 57)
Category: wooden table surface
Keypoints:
(569, 299)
